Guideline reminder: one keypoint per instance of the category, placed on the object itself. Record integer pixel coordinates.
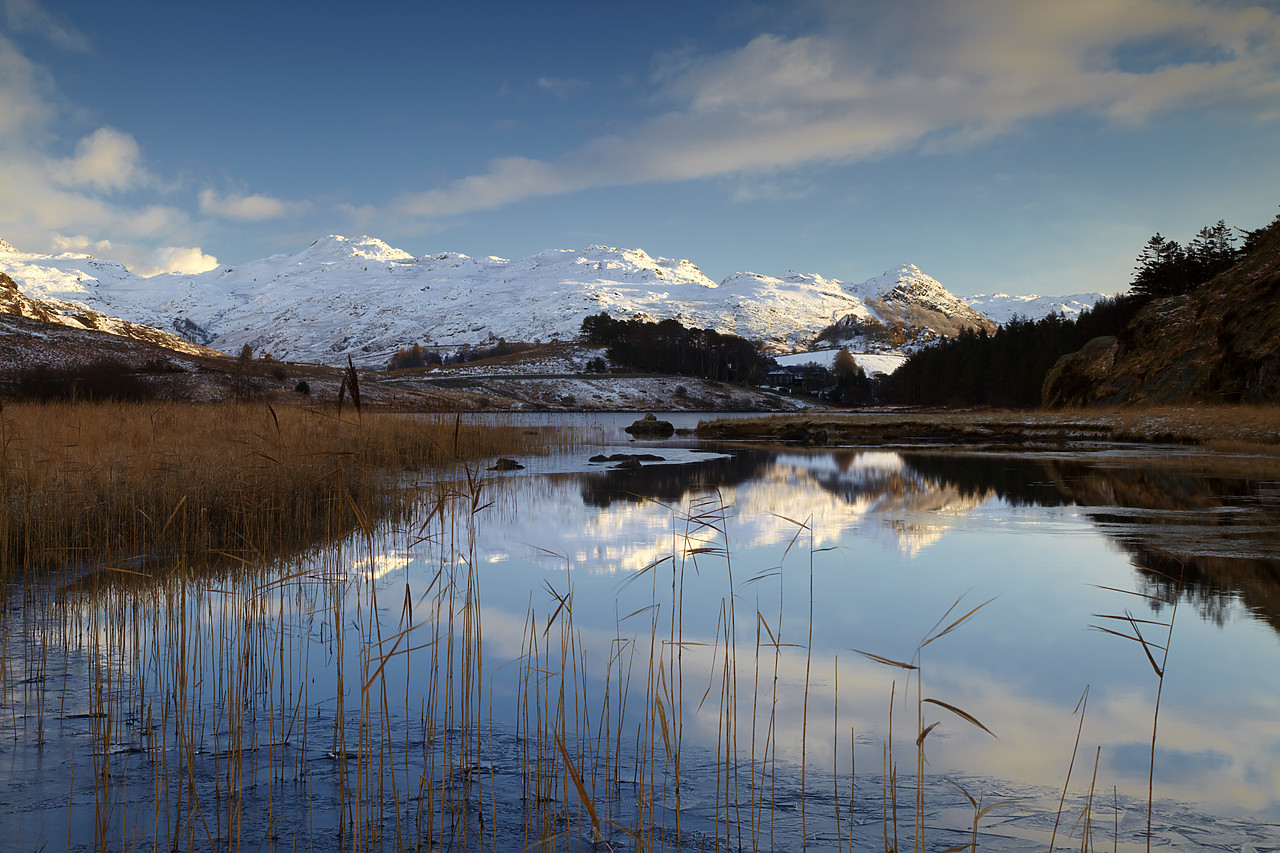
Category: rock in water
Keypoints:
(650, 427)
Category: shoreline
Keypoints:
(1245, 429)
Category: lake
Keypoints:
(724, 648)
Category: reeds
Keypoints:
(310, 695)
(84, 485)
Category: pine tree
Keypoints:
(1161, 269)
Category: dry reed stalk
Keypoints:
(1081, 707)
(87, 482)
(1134, 625)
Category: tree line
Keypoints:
(1008, 368)
(1005, 368)
(418, 356)
(1166, 268)
(668, 347)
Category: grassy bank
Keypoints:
(1254, 429)
(95, 484)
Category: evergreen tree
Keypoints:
(1161, 269)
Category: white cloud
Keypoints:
(913, 74)
(252, 208)
(23, 105)
(80, 243)
(179, 259)
(49, 201)
(563, 87)
(105, 160)
(508, 180)
(28, 16)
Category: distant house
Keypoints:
(784, 377)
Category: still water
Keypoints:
(705, 650)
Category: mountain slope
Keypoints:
(1219, 343)
(1003, 307)
(75, 315)
(343, 297)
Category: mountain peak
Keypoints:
(342, 296)
(363, 247)
(6, 246)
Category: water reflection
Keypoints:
(898, 536)
(1220, 534)
(733, 593)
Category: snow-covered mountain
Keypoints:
(363, 298)
(1003, 307)
(75, 315)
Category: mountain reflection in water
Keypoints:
(1221, 534)
(895, 537)
(724, 595)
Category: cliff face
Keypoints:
(1220, 343)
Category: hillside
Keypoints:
(1219, 343)
(74, 315)
(1000, 308)
(361, 298)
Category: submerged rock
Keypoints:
(504, 464)
(623, 457)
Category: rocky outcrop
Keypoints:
(650, 427)
(1218, 344)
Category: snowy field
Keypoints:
(871, 362)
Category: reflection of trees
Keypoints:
(1211, 530)
(669, 484)
(1212, 583)
(1017, 480)
(1214, 530)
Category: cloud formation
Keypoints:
(104, 160)
(87, 200)
(914, 74)
(28, 16)
(563, 87)
(178, 259)
(250, 208)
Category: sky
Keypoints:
(1013, 146)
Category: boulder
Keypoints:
(650, 427)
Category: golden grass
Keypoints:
(1251, 429)
(84, 484)
(88, 484)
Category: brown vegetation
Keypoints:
(88, 484)
(1241, 429)
(1220, 343)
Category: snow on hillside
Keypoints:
(341, 297)
(1002, 307)
(871, 362)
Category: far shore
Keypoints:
(1243, 429)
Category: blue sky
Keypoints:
(1011, 146)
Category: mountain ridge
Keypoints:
(360, 297)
